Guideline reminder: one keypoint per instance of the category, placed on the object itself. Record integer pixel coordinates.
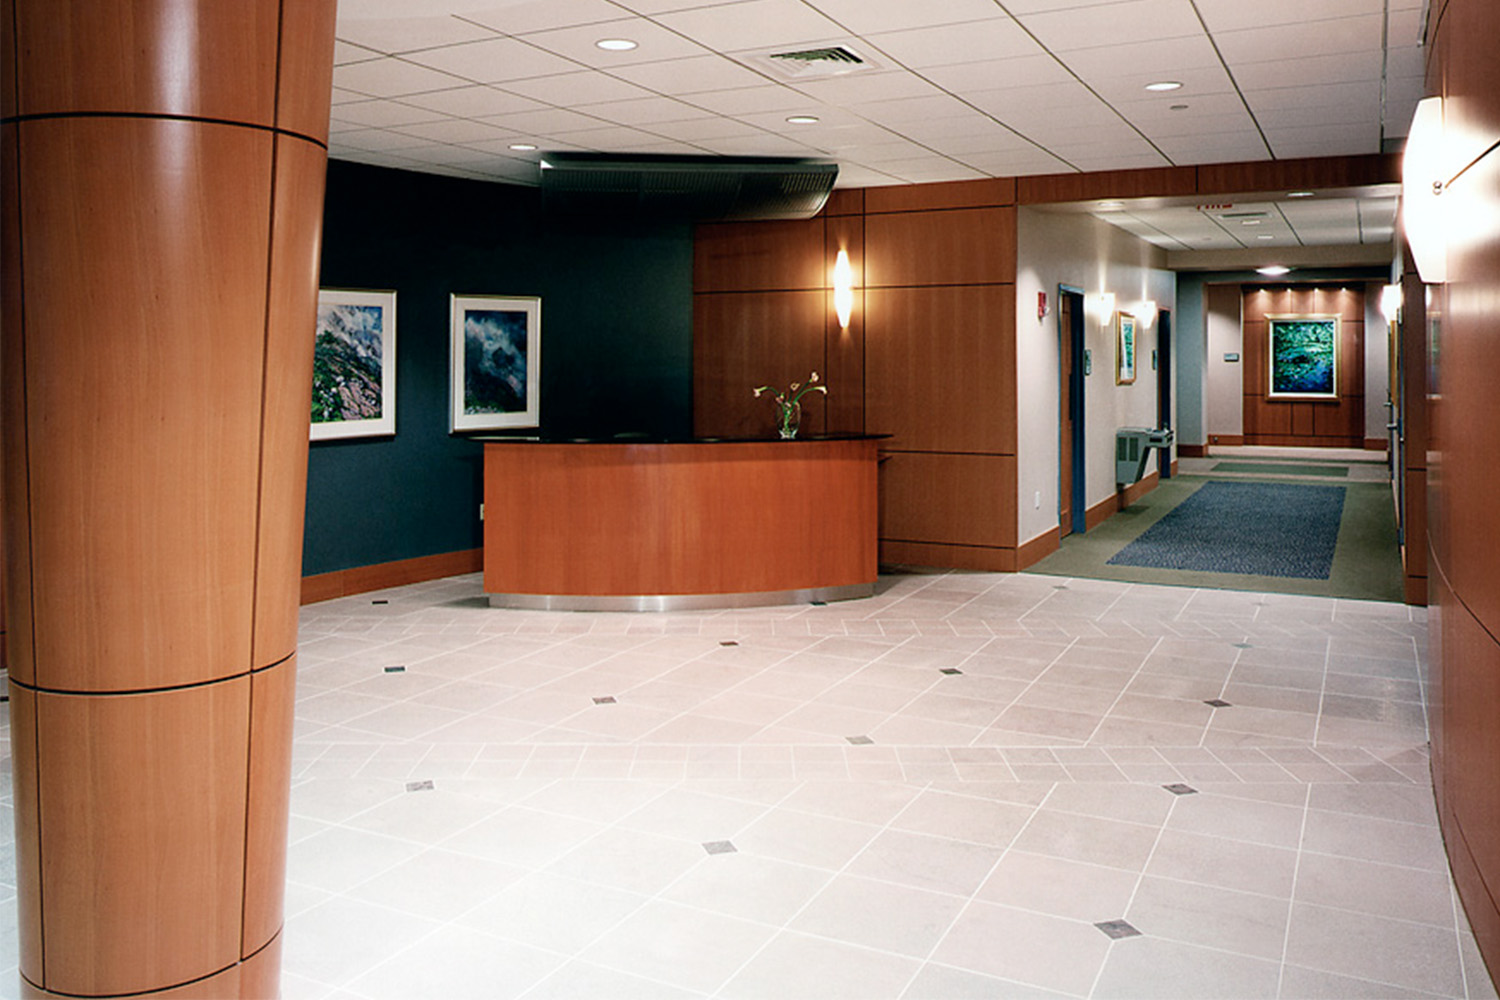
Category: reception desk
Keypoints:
(627, 526)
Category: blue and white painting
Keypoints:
(1304, 357)
(495, 358)
(353, 388)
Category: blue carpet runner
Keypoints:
(1264, 529)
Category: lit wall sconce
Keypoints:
(1391, 300)
(1104, 305)
(843, 289)
(1422, 186)
(1146, 313)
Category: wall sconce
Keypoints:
(843, 289)
(1105, 305)
(1421, 190)
(1146, 313)
(1390, 302)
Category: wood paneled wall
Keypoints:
(1463, 476)
(1298, 423)
(929, 356)
(163, 169)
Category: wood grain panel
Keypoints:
(1296, 175)
(977, 557)
(15, 508)
(139, 364)
(1301, 423)
(953, 499)
(845, 348)
(940, 368)
(272, 702)
(741, 341)
(144, 813)
(397, 573)
(951, 194)
(1470, 695)
(296, 223)
(845, 201)
(28, 832)
(607, 519)
(7, 58)
(149, 56)
(758, 256)
(955, 247)
(305, 83)
(1151, 182)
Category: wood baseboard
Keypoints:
(1039, 548)
(1109, 506)
(363, 579)
(1227, 440)
(945, 556)
(1190, 451)
(1415, 591)
(1173, 467)
(1377, 444)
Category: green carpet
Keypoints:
(1366, 560)
(1276, 469)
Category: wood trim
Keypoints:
(1414, 589)
(1039, 548)
(1173, 467)
(1135, 491)
(1142, 183)
(946, 556)
(1111, 505)
(1189, 451)
(1226, 440)
(1377, 444)
(952, 194)
(397, 573)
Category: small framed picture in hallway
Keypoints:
(496, 362)
(1304, 353)
(1124, 348)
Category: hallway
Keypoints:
(940, 792)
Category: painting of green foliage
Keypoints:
(1304, 357)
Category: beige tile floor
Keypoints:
(938, 792)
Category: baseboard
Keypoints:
(1415, 591)
(1109, 506)
(1173, 467)
(1377, 444)
(1302, 441)
(1039, 548)
(946, 556)
(1190, 451)
(1227, 440)
(363, 579)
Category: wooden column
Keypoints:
(162, 199)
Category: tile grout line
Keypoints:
(1291, 903)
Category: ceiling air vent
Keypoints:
(831, 60)
(700, 188)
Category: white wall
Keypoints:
(1222, 306)
(1078, 250)
(1377, 364)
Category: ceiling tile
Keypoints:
(1126, 69)
(406, 34)
(473, 102)
(867, 17)
(914, 109)
(1297, 41)
(390, 78)
(693, 75)
(754, 24)
(452, 130)
(1350, 95)
(381, 114)
(494, 61)
(643, 110)
(1229, 15)
(865, 88)
(1115, 24)
(748, 100)
(539, 15)
(344, 53)
(544, 122)
(653, 43)
(997, 74)
(1343, 67)
(570, 89)
(698, 129)
(977, 41)
(375, 140)
(763, 145)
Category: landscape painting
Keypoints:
(496, 358)
(1124, 349)
(354, 370)
(1304, 352)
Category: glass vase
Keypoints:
(791, 417)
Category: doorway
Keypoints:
(1072, 363)
(1164, 386)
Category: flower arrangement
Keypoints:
(789, 404)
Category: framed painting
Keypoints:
(1124, 348)
(1304, 356)
(496, 376)
(354, 364)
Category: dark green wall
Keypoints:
(616, 346)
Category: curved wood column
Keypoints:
(163, 167)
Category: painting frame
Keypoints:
(1126, 327)
(352, 326)
(483, 397)
(1288, 376)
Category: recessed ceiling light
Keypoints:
(615, 44)
(1273, 270)
(1299, 194)
(1164, 85)
(522, 147)
(1265, 237)
(802, 120)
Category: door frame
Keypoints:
(1076, 411)
(1164, 386)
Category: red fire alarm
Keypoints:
(1041, 305)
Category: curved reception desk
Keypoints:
(627, 526)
